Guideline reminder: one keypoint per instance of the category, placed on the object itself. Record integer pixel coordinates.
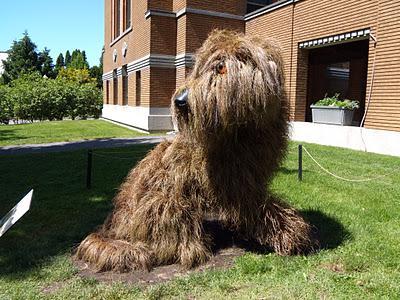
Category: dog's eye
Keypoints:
(221, 68)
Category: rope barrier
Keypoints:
(141, 153)
(114, 157)
(122, 152)
(337, 176)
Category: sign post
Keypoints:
(15, 213)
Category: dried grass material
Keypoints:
(233, 136)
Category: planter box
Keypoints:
(332, 115)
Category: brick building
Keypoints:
(344, 46)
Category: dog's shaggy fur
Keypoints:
(232, 138)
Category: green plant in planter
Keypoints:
(334, 101)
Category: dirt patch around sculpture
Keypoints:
(227, 247)
(222, 260)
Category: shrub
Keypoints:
(36, 98)
(25, 93)
(6, 107)
(334, 101)
(86, 102)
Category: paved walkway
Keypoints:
(85, 144)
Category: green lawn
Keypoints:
(61, 131)
(358, 225)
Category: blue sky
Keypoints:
(55, 24)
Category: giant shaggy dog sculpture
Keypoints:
(232, 120)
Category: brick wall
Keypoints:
(236, 7)
(178, 5)
(132, 89)
(384, 111)
(166, 5)
(138, 40)
(163, 35)
(162, 86)
(181, 74)
(120, 94)
(319, 18)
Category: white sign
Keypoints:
(16, 213)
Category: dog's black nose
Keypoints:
(182, 98)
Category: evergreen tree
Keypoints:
(78, 60)
(84, 57)
(59, 64)
(22, 58)
(60, 61)
(46, 63)
(74, 54)
(67, 58)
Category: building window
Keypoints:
(128, 18)
(138, 88)
(117, 18)
(115, 87)
(122, 17)
(253, 5)
(107, 92)
(124, 85)
(337, 76)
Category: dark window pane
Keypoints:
(253, 5)
(117, 17)
(138, 88)
(128, 14)
(338, 75)
(107, 92)
(115, 88)
(124, 85)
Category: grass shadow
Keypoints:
(63, 211)
(329, 232)
(9, 135)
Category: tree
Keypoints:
(78, 60)
(67, 58)
(46, 63)
(97, 73)
(84, 55)
(6, 106)
(60, 61)
(60, 64)
(22, 58)
(81, 76)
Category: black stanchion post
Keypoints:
(300, 171)
(89, 169)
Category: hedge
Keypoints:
(32, 97)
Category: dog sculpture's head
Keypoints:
(237, 82)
